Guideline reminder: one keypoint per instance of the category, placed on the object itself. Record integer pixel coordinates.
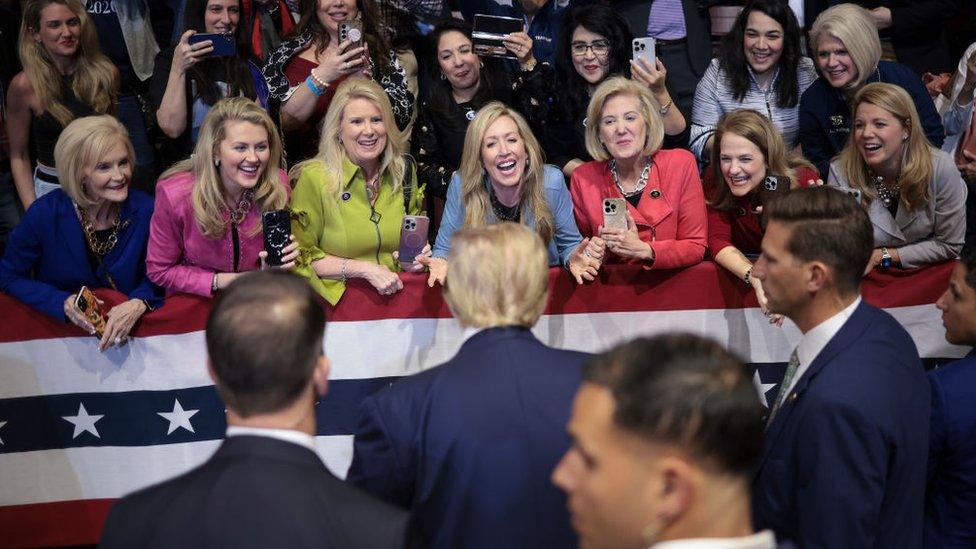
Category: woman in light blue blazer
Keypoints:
(90, 232)
(503, 178)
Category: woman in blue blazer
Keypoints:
(90, 232)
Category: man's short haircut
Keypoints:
(497, 275)
(684, 391)
(828, 225)
(264, 338)
(968, 260)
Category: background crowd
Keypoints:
(144, 143)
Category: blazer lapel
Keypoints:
(905, 217)
(881, 218)
(127, 220)
(70, 232)
(844, 338)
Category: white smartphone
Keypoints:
(643, 48)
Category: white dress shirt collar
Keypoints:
(286, 435)
(817, 338)
(759, 540)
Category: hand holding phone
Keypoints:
(87, 304)
(413, 237)
(643, 48)
(277, 234)
(223, 45)
(351, 31)
(615, 213)
(489, 32)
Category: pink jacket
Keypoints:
(670, 215)
(180, 258)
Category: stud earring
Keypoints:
(216, 162)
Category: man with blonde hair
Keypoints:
(469, 445)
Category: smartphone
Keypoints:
(643, 48)
(88, 305)
(855, 194)
(223, 44)
(413, 237)
(351, 31)
(277, 233)
(489, 32)
(614, 213)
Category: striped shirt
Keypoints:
(714, 97)
(666, 20)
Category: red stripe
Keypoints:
(621, 288)
(54, 524)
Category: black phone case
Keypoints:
(277, 230)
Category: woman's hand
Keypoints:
(437, 267)
(121, 319)
(75, 316)
(185, 55)
(580, 265)
(520, 44)
(775, 319)
(382, 278)
(338, 61)
(596, 249)
(289, 254)
(416, 266)
(627, 243)
(652, 77)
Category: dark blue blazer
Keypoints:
(469, 446)
(255, 492)
(843, 462)
(825, 118)
(950, 506)
(49, 243)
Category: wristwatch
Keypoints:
(885, 259)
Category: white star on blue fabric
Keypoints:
(761, 388)
(2, 423)
(178, 418)
(83, 422)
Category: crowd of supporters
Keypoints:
(143, 141)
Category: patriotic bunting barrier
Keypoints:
(80, 428)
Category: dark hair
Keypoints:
(598, 19)
(829, 226)
(440, 100)
(232, 69)
(686, 391)
(732, 58)
(264, 338)
(968, 260)
(379, 44)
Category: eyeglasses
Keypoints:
(600, 48)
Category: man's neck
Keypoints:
(299, 416)
(822, 307)
(720, 511)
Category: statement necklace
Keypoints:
(887, 194)
(239, 212)
(641, 181)
(373, 188)
(88, 227)
(503, 212)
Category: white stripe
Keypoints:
(113, 471)
(397, 347)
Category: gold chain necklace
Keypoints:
(88, 227)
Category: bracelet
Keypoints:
(322, 84)
(748, 276)
(213, 284)
(667, 107)
(342, 271)
(310, 83)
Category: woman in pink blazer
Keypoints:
(665, 206)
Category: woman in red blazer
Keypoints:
(749, 148)
(664, 201)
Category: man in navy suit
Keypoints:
(843, 461)
(950, 505)
(666, 432)
(265, 486)
(469, 445)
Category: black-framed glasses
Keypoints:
(600, 48)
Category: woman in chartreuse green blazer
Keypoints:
(349, 201)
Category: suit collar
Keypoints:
(846, 337)
(496, 333)
(70, 231)
(266, 447)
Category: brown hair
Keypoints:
(373, 35)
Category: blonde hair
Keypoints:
(854, 26)
(80, 146)
(331, 151)
(618, 85)
(916, 165)
(95, 79)
(209, 202)
(761, 132)
(474, 191)
(483, 290)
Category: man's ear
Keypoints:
(320, 376)
(677, 488)
(818, 275)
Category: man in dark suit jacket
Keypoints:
(265, 486)
(843, 462)
(469, 445)
(950, 504)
